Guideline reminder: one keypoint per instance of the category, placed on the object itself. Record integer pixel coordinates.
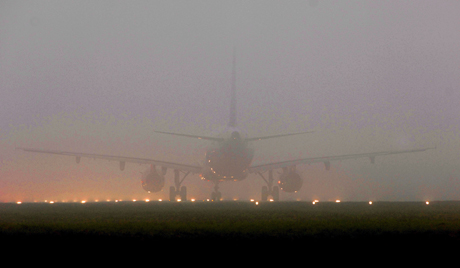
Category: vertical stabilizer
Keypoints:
(232, 121)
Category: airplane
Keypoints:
(228, 158)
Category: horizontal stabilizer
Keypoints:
(191, 136)
(277, 136)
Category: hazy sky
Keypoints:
(99, 76)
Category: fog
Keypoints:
(100, 76)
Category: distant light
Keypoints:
(134, 200)
(160, 200)
(193, 200)
(207, 199)
(337, 201)
(427, 202)
(370, 202)
(116, 201)
(257, 203)
(314, 202)
(147, 200)
(271, 200)
(83, 202)
(19, 202)
(51, 202)
(252, 200)
(179, 200)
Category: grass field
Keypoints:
(210, 222)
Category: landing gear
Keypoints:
(216, 195)
(270, 190)
(178, 190)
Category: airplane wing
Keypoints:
(121, 159)
(326, 159)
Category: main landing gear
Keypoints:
(269, 190)
(178, 190)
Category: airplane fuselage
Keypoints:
(228, 160)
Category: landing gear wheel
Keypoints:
(172, 193)
(264, 193)
(183, 193)
(216, 196)
(276, 193)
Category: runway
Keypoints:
(231, 221)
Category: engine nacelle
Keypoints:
(152, 181)
(290, 181)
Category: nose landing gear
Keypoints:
(216, 195)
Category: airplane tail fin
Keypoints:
(232, 121)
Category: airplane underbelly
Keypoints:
(227, 166)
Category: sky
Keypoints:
(100, 76)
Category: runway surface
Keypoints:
(228, 222)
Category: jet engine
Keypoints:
(153, 181)
(290, 181)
